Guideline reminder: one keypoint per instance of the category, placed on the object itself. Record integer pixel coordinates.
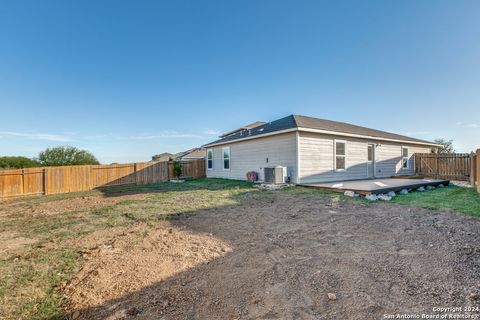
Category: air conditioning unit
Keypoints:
(275, 175)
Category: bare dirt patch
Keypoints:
(125, 260)
(64, 205)
(12, 243)
(279, 255)
(88, 202)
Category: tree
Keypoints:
(17, 162)
(447, 146)
(66, 156)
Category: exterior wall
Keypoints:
(316, 158)
(251, 155)
(389, 156)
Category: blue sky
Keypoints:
(129, 79)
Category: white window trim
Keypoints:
(402, 157)
(229, 159)
(210, 150)
(335, 155)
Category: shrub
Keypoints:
(17, 162)
(177, 169)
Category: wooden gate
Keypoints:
(456, 166)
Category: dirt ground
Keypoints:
(11, 242)
(19, 206)
(278, 256)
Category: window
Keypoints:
(340, 155)
(209, 159)
(405, 162)
(226, 158)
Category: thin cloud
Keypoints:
(36, 136)
(211, 132)
(468, 125)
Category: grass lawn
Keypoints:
(455, 199)
(458, 199)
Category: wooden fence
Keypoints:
(52, 180)
(457, 166)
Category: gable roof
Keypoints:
(304, 123)
(192, 153)
(165, 156)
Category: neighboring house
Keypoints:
(313, 150)
(192, 154)
(166, 156)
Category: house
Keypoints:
(313, 150)
(192, 154)
(166, 156)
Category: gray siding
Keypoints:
(389, 159)
(251, 155)
(316, 157)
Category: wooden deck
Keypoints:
(377, 186)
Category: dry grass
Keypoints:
(42, 228)
(38, 253)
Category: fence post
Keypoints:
(415, 170)
(135, 172)
(478, 171)
(23, 181)
(45, 181)
(472, 169)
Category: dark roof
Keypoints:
(296, 121)
(248, 126)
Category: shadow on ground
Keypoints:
(189, 185)
(288, 251)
